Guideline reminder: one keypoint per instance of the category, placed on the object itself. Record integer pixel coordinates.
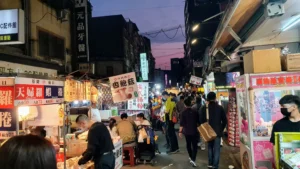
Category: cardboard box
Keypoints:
(291, 62)
(262, 61)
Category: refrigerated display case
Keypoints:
(258, 98)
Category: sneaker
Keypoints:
(203, 147)
(193, 163)
(173, 152)
(210, 167)
(199, 144)
(190, 159)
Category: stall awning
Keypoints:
(235, 17)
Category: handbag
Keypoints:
(174, 116)
(206, 131)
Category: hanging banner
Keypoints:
(81, 30)
(196, 80)
(124, 87)
(141, 103)
(8, 123)
(29, 91)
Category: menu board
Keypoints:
(141, 103)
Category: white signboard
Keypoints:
(123, 87)
(144, 66)
(12, 24)
(141, 103)
(196, 80)
(7, 67)
(118, 152)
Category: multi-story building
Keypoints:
(116, 45)
(201, 21)
(177, 72)
(35, 37)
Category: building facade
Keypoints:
(177, 72)
(46, 49)
(116, 45)
(201, 21)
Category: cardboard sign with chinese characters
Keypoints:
(8, 123)
(196, 80)
(123, 87)
(29, 91)
(141, 103)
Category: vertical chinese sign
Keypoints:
(8, 119)
(123, 87)
(144, 66)
(81, 20)
(140, 103)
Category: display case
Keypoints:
(258, 98)
(287, 150)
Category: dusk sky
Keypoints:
(151, 16)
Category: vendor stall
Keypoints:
(258, 98)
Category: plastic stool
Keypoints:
(131, 161)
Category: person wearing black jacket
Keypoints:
(188, 126)
(218, 123)
(100, 146)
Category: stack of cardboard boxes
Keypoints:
(270, 60)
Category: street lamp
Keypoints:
(195, 27)
(194, 41)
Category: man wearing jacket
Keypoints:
(170, 107)
(218, 123)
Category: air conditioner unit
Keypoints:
(62, 15)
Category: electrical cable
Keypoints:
(158, 57)
(133, 9)
(168, 36)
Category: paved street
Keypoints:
(180, 160)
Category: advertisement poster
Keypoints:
(141, 103)
(124, 87)
(8, 123)
(231, 77)
(267, 111)
(243, 111)
(196, 80)
(30, 91)
(118, 152)
(245, 155)
(263, 154)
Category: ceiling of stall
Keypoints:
(243, 13)
(270, 31)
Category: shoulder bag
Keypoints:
(206, 131)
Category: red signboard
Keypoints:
(24, 92)
(6, 97)
(275, 80)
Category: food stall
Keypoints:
(287, 150)
(258, 98)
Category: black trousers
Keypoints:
(191, 145)
(105, 162)
(172, 136)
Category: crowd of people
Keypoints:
(191, 110)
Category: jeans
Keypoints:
(105, 162)
(172, 136)
(167, 135)
(214, 149)
(191, 146)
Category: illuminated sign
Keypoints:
(144, 66)
(12, 29)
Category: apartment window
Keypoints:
(51, 46)
(109, 71)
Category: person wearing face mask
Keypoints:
(290, 105)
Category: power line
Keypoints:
(134, 9)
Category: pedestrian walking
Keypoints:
(170, 107)
(188, 126)
(197, 107)
(218, 123)
(180, 107)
